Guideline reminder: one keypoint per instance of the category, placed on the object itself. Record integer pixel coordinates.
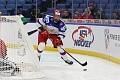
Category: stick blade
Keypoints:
(84, 64)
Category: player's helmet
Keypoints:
(58, 12)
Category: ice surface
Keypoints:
(55, 68)
(97, 68)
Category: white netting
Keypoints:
(19, 50)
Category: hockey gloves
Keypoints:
(57, 42)
(44, 32)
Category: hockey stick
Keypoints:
(82, 64)
(33, 31)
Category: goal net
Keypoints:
(21, 61)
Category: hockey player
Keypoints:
(6, 66)
(53, 28)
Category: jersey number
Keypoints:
(47, 19)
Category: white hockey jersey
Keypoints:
(52, 27)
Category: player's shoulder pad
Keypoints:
(62, 23)
(62, 26)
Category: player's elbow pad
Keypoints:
(40, 21)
